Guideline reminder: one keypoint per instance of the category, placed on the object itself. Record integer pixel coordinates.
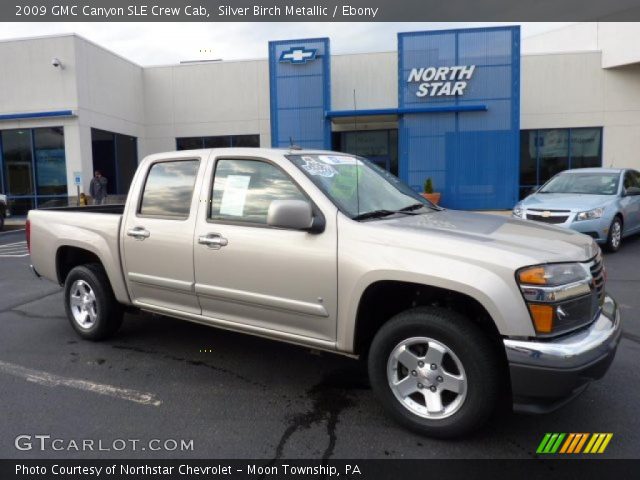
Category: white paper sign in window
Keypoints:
(235, 195)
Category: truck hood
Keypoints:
(566, 201)
(504, 239)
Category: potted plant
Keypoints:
(429, 193)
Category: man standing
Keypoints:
(98, 189)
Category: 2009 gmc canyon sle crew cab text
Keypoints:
(451, 309)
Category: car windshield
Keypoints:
(590, 183)
(376, 193)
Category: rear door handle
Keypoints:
(215, 241)
(139, 233)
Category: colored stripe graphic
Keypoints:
(573, 443)
(581, 443)
(550, 443)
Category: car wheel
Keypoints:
(91, 307)
(435, 372)
(614, 239)
(1, 223)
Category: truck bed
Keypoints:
(95, 229)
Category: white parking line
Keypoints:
(14, 250)
(12, 231)
(23, 242)
(51, 380)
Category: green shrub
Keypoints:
(428, 185)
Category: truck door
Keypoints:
(249, 273)
(631, 203)
(158, 235)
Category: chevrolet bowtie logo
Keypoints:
(298, 55)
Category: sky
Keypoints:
(169, 43)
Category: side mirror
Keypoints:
(632, 191)
(291, 214)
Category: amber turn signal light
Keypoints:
(533, 276)
(542, 316)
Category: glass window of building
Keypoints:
(379, 146)
(33, 166)
(544, 153)
(51, 171)
(219, 141)
(116, 156)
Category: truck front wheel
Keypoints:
(91, 307)
(435, 372)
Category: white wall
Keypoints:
(573, 90)
(29, 83)
(578, 37)
(373, 76)
(618, 41)
(205, 99)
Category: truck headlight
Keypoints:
(590, 214)
(518, 211)
(553, 274)
(558, 296)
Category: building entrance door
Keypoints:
(379, 146)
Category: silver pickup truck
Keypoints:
(454, 311)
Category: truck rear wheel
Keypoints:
(435, 372)
(91, 307)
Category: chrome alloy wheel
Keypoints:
(83, 304)
(616, 234)
(427, 378)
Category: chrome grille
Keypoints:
(550, 219)
(597, 273)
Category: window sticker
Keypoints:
(338, 160)
(316, 168)
(234, 195)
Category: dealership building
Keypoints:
(484, 114)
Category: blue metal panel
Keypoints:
(401, 111)
(299, 85)
(471, 155)
(20, 116)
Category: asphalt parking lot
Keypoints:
(238, 396)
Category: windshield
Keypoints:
(590, 183)
(375, 191)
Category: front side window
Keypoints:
(244, 189)
(591, 183)
(357, 186)
(169, 189)
(631, 179)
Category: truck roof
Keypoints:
(249, 151)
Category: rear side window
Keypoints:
(169, 189)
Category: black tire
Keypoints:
(612, 246)
(1, 222)
(473, 350)
(108, 312)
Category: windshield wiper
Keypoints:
(382, 213)
(416, 206)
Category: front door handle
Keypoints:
(215, 241)
(139, 233)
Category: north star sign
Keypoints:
(441, 81)
(298, 55)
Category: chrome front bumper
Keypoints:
(544, 374)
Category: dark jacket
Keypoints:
(98, 188)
